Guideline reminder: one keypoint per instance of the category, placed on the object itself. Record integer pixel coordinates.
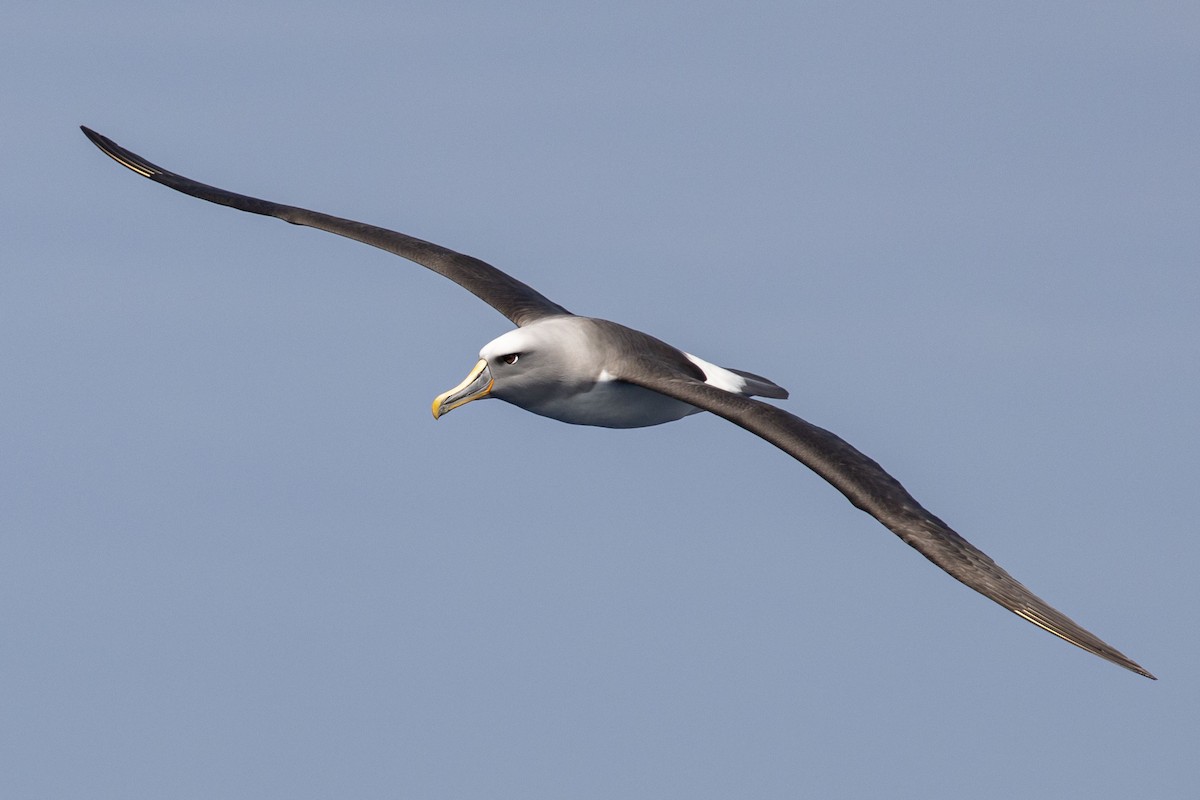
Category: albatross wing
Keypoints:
(506, 294)
(869, 487)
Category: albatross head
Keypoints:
(529, 367)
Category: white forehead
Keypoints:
(562, 336)
(515, 341)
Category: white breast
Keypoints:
(612, 404)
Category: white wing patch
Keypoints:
(720, 377)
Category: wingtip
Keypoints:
(101, 141)
(129, 160)
(1122, 660)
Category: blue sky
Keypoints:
(239, 558)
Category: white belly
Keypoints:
(613, 404)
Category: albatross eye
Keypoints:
(511, 358)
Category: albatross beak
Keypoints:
(476, 385)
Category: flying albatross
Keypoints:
(588, 371)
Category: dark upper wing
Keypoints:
(507, 295)
(870, 488)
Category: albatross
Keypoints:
(588, 371)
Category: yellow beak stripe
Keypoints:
(473, 387)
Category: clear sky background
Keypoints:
(239, 559)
